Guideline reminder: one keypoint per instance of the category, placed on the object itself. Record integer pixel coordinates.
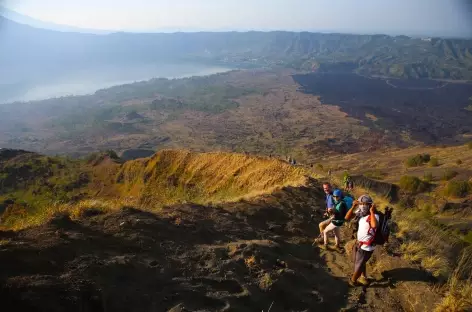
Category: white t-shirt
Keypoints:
(363, 234)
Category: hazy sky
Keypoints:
(355, 16)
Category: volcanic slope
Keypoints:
(249, 254)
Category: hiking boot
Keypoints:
(363, 281)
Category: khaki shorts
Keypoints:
(325, 223)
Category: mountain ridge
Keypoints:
(399, 56)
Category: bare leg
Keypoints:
(323, 225)
(329, 228)
(337, 235)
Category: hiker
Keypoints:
(347, 183)
(363, 249)
(329, 205)
(329, 172)
(336, 220)
(350, 185)
(361, 210)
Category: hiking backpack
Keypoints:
(382, 232)
(349, 201)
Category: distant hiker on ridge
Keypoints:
(348, 183)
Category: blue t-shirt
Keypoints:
(329, 201)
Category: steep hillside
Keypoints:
(36, 186)
(182, 231)
(433, 208)
(251, 255)
(171, 176)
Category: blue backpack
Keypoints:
(349, 201)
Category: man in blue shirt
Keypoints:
(329, 205)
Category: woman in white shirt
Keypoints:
(364, 247)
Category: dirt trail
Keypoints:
(397, 285)
(244, 256)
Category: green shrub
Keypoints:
(468, 237)
(459, 162)
(112, 154)
(428, 177)
(412, 184)
(458, 188)
(469, 145)
(449, 175)
(433, 162)
(417, 160)
(319, 167)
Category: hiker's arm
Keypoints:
(373, 219)
(351, 211)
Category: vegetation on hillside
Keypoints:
(433, 224)
(34, 187)
(412, 184)
(458, 188)
(174, 176)
(417, 160)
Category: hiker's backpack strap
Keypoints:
(370, 231)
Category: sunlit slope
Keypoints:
(36, 186)
(172, 176)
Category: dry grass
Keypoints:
(266, 282)
(169, 177)
(424, 243)
(426, 240)
(74, 210)
(391, 163)
(459, 294)
(173, 176)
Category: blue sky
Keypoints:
(411, 17)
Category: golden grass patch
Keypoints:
(173, 176)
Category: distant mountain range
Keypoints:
(30, 53)
(26, 20)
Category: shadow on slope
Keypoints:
(243, 256)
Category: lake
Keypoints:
(87, 81)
